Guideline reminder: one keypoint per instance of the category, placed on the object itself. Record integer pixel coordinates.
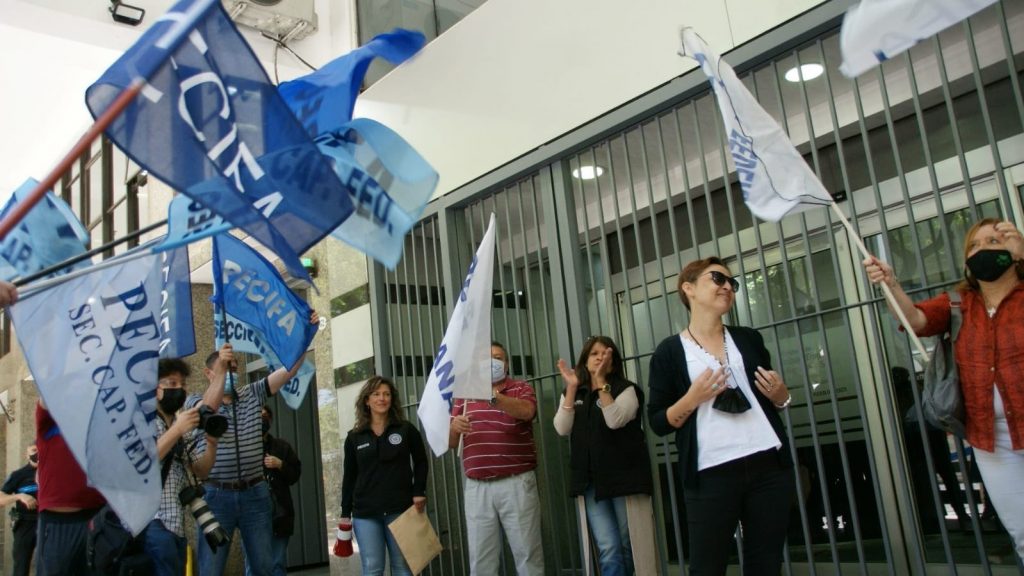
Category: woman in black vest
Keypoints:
(713, 386)
(600, 412)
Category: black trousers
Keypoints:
(61, 545)
(24, 544)
(755, 492)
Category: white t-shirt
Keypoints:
(723, 437)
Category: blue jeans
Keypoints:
(165, 548)
(607, 522)
(279, 555)
(373, 537)
(247, 510)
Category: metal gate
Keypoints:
(591, 238)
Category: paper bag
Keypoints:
(416, 539)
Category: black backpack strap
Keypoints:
(165, 466)
(956, 317)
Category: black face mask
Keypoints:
(989, 265)
(34, 458)
(173, 400)
(266, 427)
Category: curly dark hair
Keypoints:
(168, 366)
(363, 411)
(617, 372)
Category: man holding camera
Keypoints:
(164, 537)
(20, 489)
(236, 492)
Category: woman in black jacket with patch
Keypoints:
(385, 473)
(713, 386)
(609, 464)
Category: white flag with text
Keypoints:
(876, 30)
(775, 178)
(92, 341)
(462, 367)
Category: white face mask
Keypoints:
(497, 370)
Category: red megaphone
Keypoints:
(343, 543)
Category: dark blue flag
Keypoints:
(210, 124)
(323, 100)
(250, 289)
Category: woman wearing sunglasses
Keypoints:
(713, 386)
(609, 465)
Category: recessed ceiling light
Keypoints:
(805, 73)
(587, 172)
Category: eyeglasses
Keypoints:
(720, 279)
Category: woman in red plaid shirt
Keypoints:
(989, 352)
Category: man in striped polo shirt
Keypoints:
(499, 458)
(236, 491)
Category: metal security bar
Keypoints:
(593, 240)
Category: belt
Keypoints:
(237, 484)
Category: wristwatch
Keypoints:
(606, 388)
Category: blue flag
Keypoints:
(177, 332)
(323, 100)
(245, 338)
(91, 339)
(250, 289)
(189, 220)
(390, 184)
(49, 234)
(210, 124)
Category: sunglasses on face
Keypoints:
(720, 279)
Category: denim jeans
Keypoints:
(607, 522)
(247, 510)
(278, 554)
(165, 548)
(374, 538)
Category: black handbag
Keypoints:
(112, 550)
(942, 400)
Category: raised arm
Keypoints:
(879, 272)
(282, 376)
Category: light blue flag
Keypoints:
(389, 183)
(189, 220)
(876, 30)
(91, 339)
(775, 178)
(245, 338)
(250, 289)
(210, 123)
(49, 234)
(323, 100)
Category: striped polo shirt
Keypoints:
(499, 445)
(249, 442)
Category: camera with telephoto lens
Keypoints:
(212, 423)
(192, 498)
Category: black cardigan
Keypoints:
(616, 462)
(670, 380)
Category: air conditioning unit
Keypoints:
(285, 20)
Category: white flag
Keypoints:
(462, 368)
(774, 177)
(92, 343)
(876, 30)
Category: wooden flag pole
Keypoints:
(102, 122)
(885, 287)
